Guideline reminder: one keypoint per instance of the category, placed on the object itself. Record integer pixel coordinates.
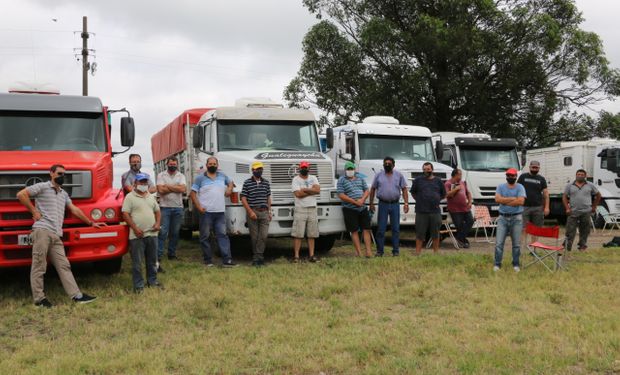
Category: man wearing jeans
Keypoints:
(511, 197)
(256, 199)
(388, 186)
(170, 185)
(208, 193)
(580, 200)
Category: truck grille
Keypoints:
(77, 184)
(281, 174)
(487, 191)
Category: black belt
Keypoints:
(260, 209)
(388, 202)
(501, 214)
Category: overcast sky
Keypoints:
(158, 58)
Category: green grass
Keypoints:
(430, 314)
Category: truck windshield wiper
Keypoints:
(286, 148)
(237, 149)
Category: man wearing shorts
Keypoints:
(353, 191)
(305, 221)
(428, 191)
(537, 201)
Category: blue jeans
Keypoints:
(508, 225)
(171, 218)
(217, 222)
(143, 249)
(391, 210)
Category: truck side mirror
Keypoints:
(329, 136)
(347, 156)
(439, 149)
(198, 136)
(128, 131)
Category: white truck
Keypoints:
(255, 129)
(368, 142)
(600, 157)
(483, 161)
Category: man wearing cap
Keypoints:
(128, 178)
(208, 192)
(511, 197)
(580, 200)
(536, 205)
(171, 185)
(388, 185)
(256, 199)
(305, 221)
(141, 212)
(353, 191)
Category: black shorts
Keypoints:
(355, 220)
(427, 223)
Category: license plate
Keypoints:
(495, 208)
(24, 240)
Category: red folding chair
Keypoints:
(541, 251)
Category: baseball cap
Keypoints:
(349, 165)
(142, 176)
(534, 163)
(257, 164)
(304, 164)
(511, 171)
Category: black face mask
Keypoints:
(428, 174)
(136, 166)
(511, 180)
(257, 174)
(172, 168)
(388, 168)
(59, 180)
(303, 172)
(212, 169)
(533, 173)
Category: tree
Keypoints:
(507, 67)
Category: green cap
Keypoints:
(349, 165)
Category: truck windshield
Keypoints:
(52, 131)
(267, 135)
(489, 160)
(400, 148)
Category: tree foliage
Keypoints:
(507, 67)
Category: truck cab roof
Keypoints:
(385, 129)
(254, 113)
(50, 103)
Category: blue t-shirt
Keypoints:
(352, 188)
(517, 191)
(211, 191)
(427, 194)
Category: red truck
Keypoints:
(37, 131)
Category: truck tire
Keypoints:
(110, 266)
(324, 244)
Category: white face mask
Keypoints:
(349, 173)
(142, 188)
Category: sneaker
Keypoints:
(516, 268)
(208, 263)
(582, 248)
(156, 284)
(44, 303)
(229, 264)
(258, 263)
(159, 269)
(138, 290)
(84, 299)
(295, 260)
(314, 260)
(495, 268)
(378, 255)
(395, 254)
(172, 257)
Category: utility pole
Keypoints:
(85, 65)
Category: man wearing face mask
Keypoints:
(353, 191)
(256, 199)
(428, 191)
(171, 185)
(142, 214)
(537, 202)
(49, 214)
(129, 178)
(580, 200)
(388, 185)
(511, 197)
(305, 221)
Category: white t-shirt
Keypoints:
(171, 199)
(301, 183)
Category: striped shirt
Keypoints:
(256, 192)
(352, 188)
(51, 204)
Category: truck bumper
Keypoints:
(330, 217)
(82, 244)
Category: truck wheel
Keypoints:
(110, 266)
(324, 244)
(561, 219)
(186, 234)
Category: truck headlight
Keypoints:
(109, 213)
(96, 214)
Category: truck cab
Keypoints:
(37, 131)
(368, 142)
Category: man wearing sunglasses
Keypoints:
(511, 197)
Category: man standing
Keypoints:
(428, 191)
(305, 221)
(537, 201)
(388, 185)
(129, 178)
(208, 193)
(171, 185)
(48, 214)
(353, 191)
(579, 207)
(256, 199)
(459, 206)
(511, 197)
(141, 212)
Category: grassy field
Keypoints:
(434, 314)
